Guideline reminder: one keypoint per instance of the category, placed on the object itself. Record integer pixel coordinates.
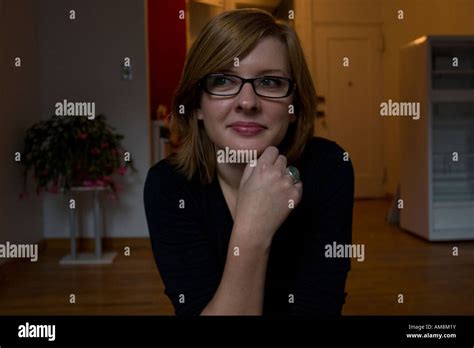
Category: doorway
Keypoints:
(347, 69)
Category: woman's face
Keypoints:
(263, 121)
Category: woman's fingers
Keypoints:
(268, 157)
(298, 191)
(281, 162)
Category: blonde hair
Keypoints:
(226, 36)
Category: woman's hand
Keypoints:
(266, 197)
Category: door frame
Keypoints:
(372, 184)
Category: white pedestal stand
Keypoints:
(98, 257)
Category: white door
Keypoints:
(347, 71)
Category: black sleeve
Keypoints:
(180, 247)
(320, 283)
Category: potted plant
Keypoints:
(66, 152)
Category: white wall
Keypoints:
(80, 61)
(20, 220)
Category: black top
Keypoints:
(190, 226)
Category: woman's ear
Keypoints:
(199, 114)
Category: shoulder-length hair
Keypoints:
(226, 36)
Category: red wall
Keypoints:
(166, 49)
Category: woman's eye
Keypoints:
(220, 81)
(270, 82)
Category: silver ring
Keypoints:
(294, 173)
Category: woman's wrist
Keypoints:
(252, 235)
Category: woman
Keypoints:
(233, 238)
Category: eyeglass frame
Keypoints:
(291, 85)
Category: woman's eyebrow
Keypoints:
(272, 71)
(259, 73)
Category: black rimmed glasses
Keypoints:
(226, 85)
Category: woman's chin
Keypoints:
(249, 145)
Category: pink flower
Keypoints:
(82, 136)
(121, 170)
(88, 183)
(95, 151)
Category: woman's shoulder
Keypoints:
(327, 169)
(320, 149)
(163, 170)
(165, 177)
(326, 163)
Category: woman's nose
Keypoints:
(247, 99)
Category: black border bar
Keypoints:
(138, 330)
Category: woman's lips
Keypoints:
(247, 128)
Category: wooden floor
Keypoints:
(431, 279)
